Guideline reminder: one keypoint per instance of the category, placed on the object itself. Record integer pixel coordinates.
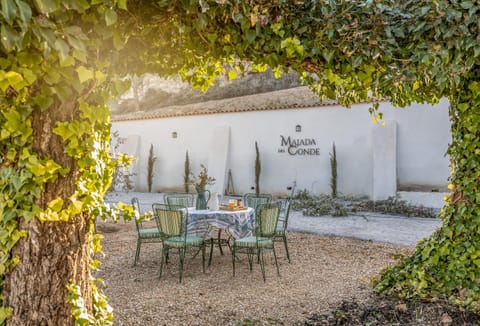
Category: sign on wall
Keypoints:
(298, 146)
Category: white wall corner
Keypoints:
(218, 157)
(384, 140)
(131, 146)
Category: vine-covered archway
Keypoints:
(62, 61)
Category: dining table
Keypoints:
(238, 223)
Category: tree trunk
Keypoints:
(54, 253)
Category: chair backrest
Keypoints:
(253, 200)
(179, 199)
(284, 213)
(171, 220)
(266, 218)
(136, 207)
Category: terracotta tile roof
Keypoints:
(292, 98)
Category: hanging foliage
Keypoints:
(61, 62)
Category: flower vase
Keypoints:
(203, 197)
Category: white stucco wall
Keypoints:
(422, 135)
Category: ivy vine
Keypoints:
(74, 53)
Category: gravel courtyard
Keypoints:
(324, 272)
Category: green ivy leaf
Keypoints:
(9, 11)
(84, 74)
(62, 91)
(13, 120)
(11, 78)
(62, 47)
(47, 34)
(76, 43)
(56, 205)
(47, 6)
(328, 55)
(110, 17)
(122, 4)
(24, 11)
(466, 4)
(79, 5)
(9, 38)
(5, 313)
(250, 35)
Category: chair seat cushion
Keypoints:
(149, 233)
(252, 242)
(181, 241)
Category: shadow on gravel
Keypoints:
(393, 311)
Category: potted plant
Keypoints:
(200, 183)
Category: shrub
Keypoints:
(186, 174)
(150, 166)
(344, 205)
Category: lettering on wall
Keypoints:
(298, 146)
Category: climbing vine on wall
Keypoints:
(447, 265)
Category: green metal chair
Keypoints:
(253, 199)
(172, 223)
(144, 234)
(179, 199)
(266, 219)
(281, 231)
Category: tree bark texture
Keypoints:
(54, 253)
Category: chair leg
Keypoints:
(203, 257)
(137, 252)
(212, 243)
(228, 244)
(167, 256)
(250, 259)
(262, 264)
(233, 259)
(276, 262)
(286, 246)
(164, 258)
(181, 253)
(219, 239)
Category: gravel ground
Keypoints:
(325, 271)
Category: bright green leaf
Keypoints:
(110, 17)
(232, 74)
(56, 205)
(10, 78)
(84, 74)
(122, 4)
(5, 313)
